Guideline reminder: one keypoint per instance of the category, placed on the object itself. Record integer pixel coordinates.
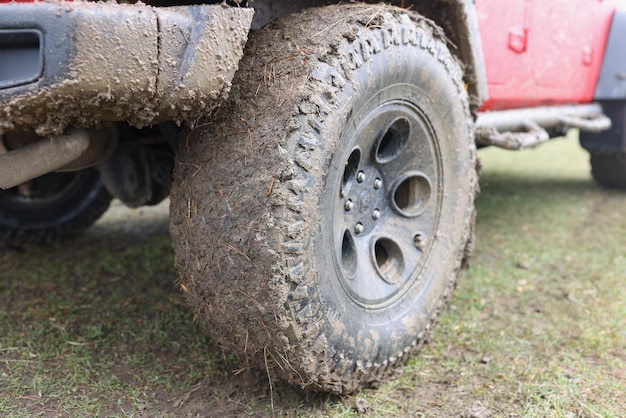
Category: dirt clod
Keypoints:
(477, 410)
(361, 405)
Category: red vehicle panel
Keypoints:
(542, 52)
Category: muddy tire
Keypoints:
(608, 168)
(321, 220)
(51, 207)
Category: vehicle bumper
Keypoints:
(77, 63)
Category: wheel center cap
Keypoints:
(365, 201)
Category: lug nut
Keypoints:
(378, 184)
(375, 214)
(360, 177)
(358, 228)
(348, 206)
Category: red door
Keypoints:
(541, 52)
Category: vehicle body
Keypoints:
(307, 154)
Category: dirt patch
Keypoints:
(247, 394)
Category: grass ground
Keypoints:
(536, 328)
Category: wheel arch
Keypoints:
(457, 18)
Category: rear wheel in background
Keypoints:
(607, 149)
(51, 207)
(608, 168)
(321, 220)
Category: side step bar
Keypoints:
(526, 128)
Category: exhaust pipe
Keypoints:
(41, 157)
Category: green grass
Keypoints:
(536, 327)
(87, 326)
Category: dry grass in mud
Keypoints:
(536, 328)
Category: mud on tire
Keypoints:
(345, 103)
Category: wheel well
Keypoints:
(456, 17)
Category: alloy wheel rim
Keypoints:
(387, 202)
